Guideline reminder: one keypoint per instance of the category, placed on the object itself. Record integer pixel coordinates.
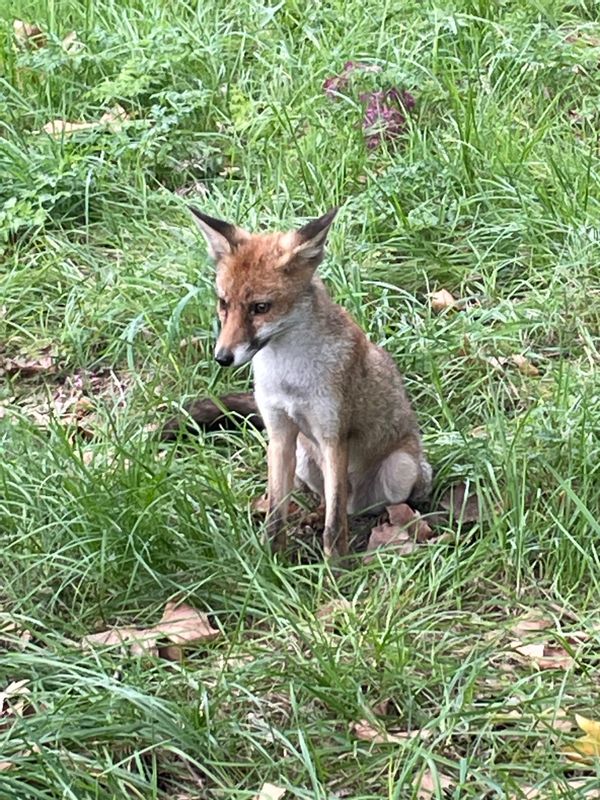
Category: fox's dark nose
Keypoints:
(224, 358)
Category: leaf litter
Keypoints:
(542, 654)
(181, 626)
(269, 791)
(28, 34)
(71, 400)
(367, 732)
(586, 749)
(441, 300)
(112, 120)
(431, 783)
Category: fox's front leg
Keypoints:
(283, 433)
(335, 476)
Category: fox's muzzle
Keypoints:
(224, 357)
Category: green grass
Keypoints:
(492, 194)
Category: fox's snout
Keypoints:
(224, 357)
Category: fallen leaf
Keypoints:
(389, 536)
(402, 514)
(171, 652)
(270, 792)
(462, 506)
(381, 709)
(440, 301)
(544, 656)
(260, 507)
(28, 35)
(430, 783)
(184, 625)
(14, 698)
(72, 44)
(524, 365)
(527, 793)
(27, 365)
(112, 120)
(194, 342)
(530, 623)
(558, 719)
(577, 37)
(404, 529)
(139, 641)
(586, 749)
(365, 731)
(586, 790)
(590, 727)
(330, 611)
(12, 633)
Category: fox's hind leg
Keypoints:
(399, 477)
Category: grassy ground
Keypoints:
(492, 194)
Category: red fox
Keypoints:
(334, 405)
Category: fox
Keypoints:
(337, 415)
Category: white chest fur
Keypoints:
(292, 379)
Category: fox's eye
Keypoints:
(260, 308)
(222, 304)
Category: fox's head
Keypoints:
(260, 280)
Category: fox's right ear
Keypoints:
(309, 241)
(222, 237)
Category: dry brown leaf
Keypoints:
(28, 35)
(524, 365)
(14, 698)
(183, 625)
(171, 652)
(404, 516)
(429, 784)
(194, 342)
(381, 709)
(440, 301)
(365, 731)
(139, 641)
(577, 37)
(12, 633)
(543, 655)
(389, 536)
(587, 791)
(530, 622)
(28, 365)
(405, 528)
(260, 507)
(464, 507)
(327, 613)
(71, 43)
(558, 719)
(526, 793)
(113, 120)
(270, 791)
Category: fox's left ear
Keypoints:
(222, 237)
(309, 241)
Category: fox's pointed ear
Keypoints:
(222, 237)
(309, 241)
